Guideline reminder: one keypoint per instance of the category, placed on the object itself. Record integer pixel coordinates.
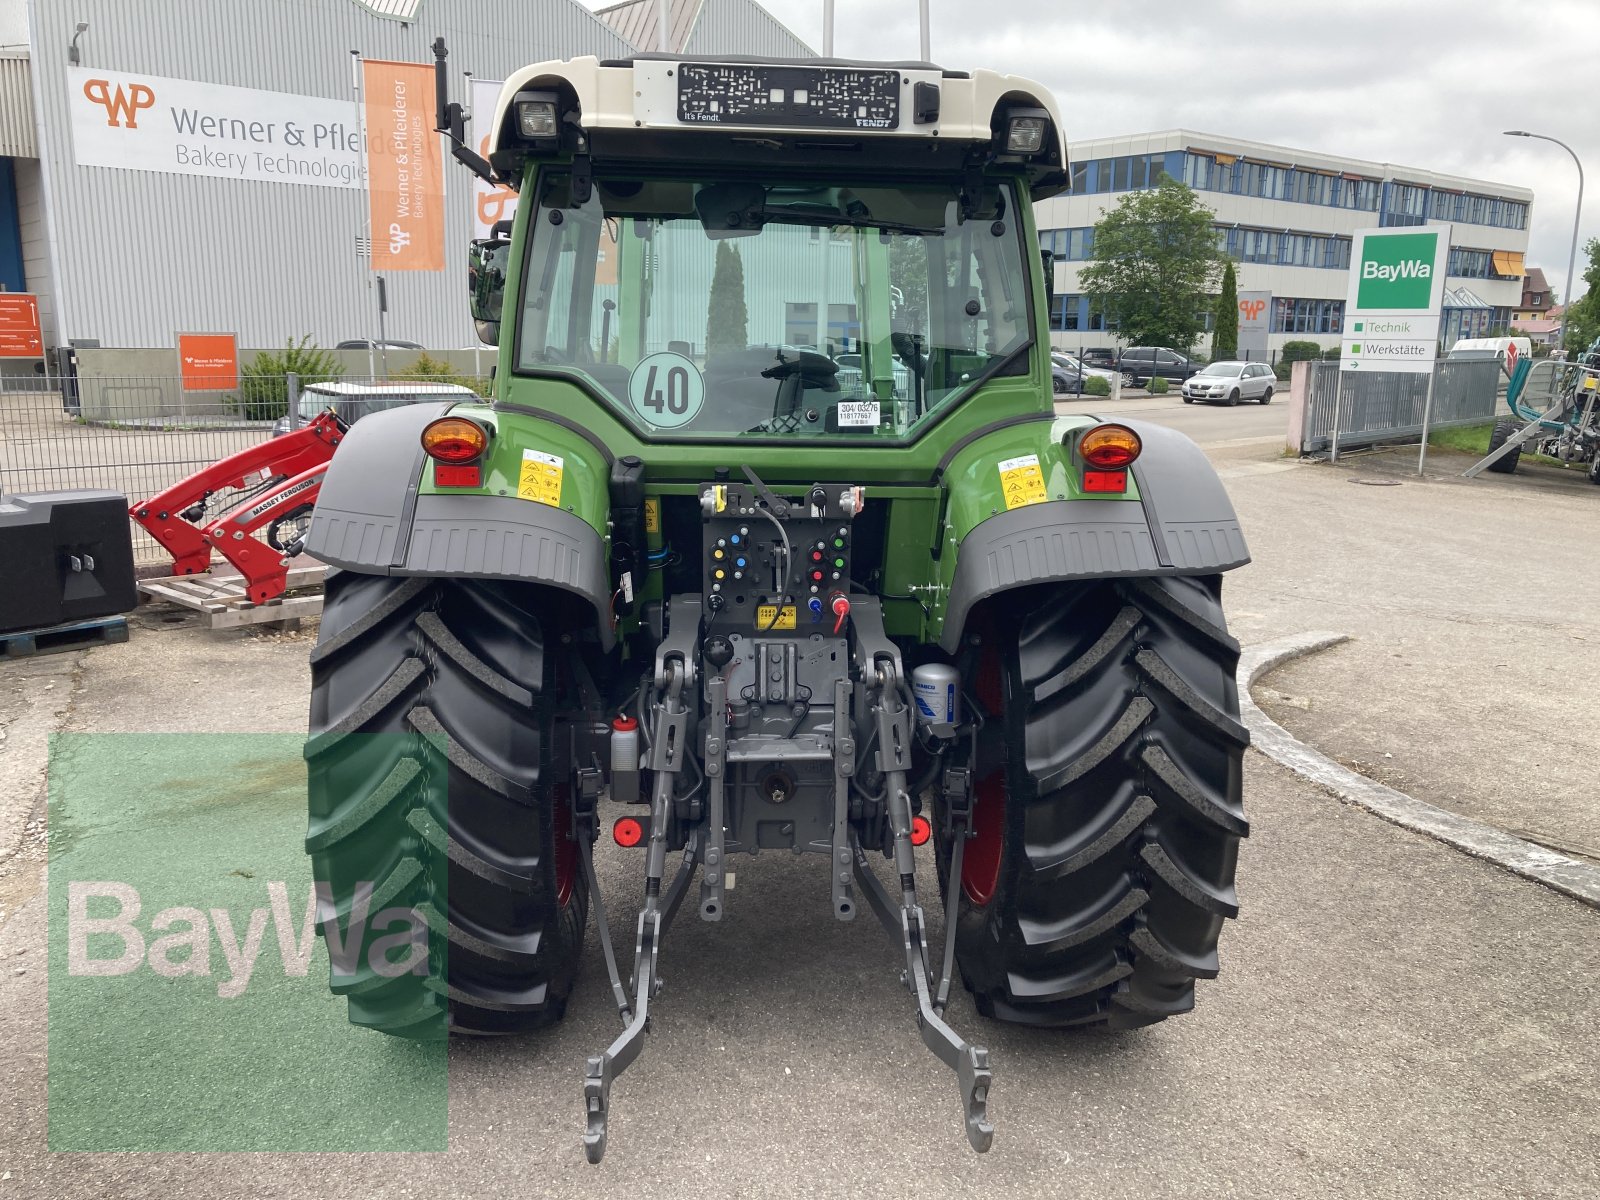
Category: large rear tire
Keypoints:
(1107, 830)
(418, 683)
(1504, 427)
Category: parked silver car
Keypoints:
(1230, 382)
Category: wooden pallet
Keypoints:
(220, 599)
(77, 635)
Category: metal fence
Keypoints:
(1389, 406)
(137, 435)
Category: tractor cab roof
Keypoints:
(766, 115)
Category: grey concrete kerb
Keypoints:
(1579, 880)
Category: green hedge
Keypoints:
(264, 384)
(1158, 386)
(1095, 386)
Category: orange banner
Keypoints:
(405, 170)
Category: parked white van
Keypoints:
(1507, 349)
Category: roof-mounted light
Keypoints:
(537, 118)
(1025, 134)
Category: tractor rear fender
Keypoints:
(379, 512)
(1176, 520)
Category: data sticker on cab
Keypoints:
(652, 515)
(1021, 481)
(541, 477)
(769, 618)
(859, 414)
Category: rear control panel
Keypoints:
(778, 564)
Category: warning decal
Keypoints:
(541, 477)
(1021, 481)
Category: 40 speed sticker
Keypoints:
(666, 389)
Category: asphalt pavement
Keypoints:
(1392, 1018)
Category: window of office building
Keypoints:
(1307, 316)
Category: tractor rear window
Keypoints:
(707, 308)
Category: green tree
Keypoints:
(1155, 265)
(1583, 317)
(1225, 334)
(264, 381)
(727, 319)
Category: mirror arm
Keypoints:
(449, 121)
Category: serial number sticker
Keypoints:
(859, 414)
(652, 515)
(540, 479)
(768, 617)
(1021, 481)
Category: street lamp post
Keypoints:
(1572, 259)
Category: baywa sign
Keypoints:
(1391, 320)
(1396, 272)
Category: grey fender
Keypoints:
(370, 518)
(1183, 524)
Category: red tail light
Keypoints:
(454, 440)
(1110, 447)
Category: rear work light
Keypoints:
(454, 440)
(1025, 135)
(1110, 447)
(536, 115)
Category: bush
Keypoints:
(1158, 386)
(263, 382)
(1095, 386)
(432, 370)
(1294, 352)
(1283, 371)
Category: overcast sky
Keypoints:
(1420, 83)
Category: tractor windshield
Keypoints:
(707, 308)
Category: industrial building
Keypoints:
(225, 227)
(1286, 217)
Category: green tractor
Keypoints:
(771, 536)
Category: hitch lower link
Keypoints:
(667, 750)
(903, 921)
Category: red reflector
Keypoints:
(448, 476)
(1105, 481)
(921, 831)
(627, 832)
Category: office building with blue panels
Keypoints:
(1286, 218)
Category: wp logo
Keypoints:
(122, 105)
(1251, 309)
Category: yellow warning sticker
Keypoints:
(1021, 481)
(541, 477)
(769, 618)
(652, 515)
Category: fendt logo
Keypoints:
(122, 106)
(1250, 310)
(1397, 271)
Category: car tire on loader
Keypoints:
(1101, 867)
(465, 668)
(1504, 427)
